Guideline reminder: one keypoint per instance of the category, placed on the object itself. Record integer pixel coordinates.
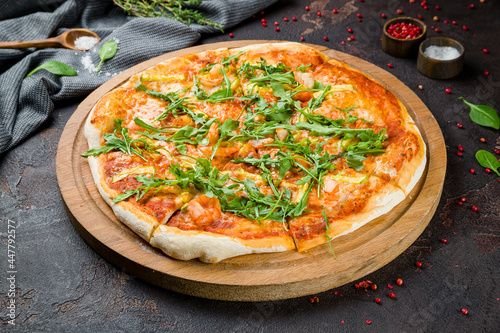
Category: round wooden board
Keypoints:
(256, 277)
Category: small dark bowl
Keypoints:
(440, 69)
(402, 48)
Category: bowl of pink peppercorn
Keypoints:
(401, 36)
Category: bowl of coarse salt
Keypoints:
(440, 58)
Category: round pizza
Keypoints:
(265, 148)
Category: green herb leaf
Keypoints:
(327, 227)
(55, 67)
(488, 160)
(107, 51)
(125, 144)
(483, 115)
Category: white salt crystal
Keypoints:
(85, 42)
(442, 52)
(87, 63)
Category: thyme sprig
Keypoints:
(175, 9)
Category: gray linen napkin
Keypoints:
(25, 103)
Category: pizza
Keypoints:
(265, 148)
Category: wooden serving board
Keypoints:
(255, 277)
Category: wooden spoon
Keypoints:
(66, 40)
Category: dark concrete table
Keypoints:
(63, 285)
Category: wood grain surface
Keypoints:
(255, 277)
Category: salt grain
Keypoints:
(87, 63)
(442, 52)
(85, 42)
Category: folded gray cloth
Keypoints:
(25, 103)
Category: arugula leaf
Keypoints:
(327, 227)
(125, 144)
(483, 115)
(302, 67)
(55, 67)
(224, 62)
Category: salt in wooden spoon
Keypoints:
(65, 40)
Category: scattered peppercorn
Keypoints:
(374, 287)
(294, 18)
(420, 17)
(464, 311)
(307, 8)
(471, 6)
(420, 87)
(262, 13)
(231, 35)
(342, 43)
(263, 20)
(418, 264)
(460, 203)
(302, 39)
(437, 30)
(352, 38)
(463, 199)
(482, 140)
(487, 170)
(285, 19)
(399, 11)
(485, 50)
(435, 18)
(383, 15)
(277, 28)
(325, 39)
(349, 30)
(464, 28)
(445, 21)
(392, 295)
(399, 282)
(444, 241)
(448, 90)
(497, 151)
(319, 13)
(359, 15)
(368, 321)
(460, 125)
(377, 300)
(426, 7)
(474, 208)
(472, 171)
(389, 65)
(335, 11)
(454, 22)
(460, 148)
(264, 24)
(276, 23)
(486, 73)
(437, 7)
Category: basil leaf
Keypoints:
(483, 115)
(55, 67)
(488, 160)
(107, 51)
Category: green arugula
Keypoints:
(125, 144)
(327, 227)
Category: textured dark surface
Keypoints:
(63, 285)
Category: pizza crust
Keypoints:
(208, 247)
